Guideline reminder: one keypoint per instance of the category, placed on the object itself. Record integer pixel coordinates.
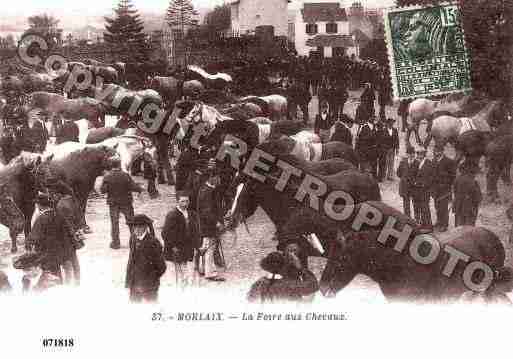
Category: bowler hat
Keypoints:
(346, 119)
(140, 219)
(421, 150)
(410, 150)
(273, 262)
(182, 193)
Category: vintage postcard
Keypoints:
(205, 178)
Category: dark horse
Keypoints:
(79, 169)
(280, 204)
(18, 194)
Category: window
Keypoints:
(331, 28)
(311, 29)
(258, 17)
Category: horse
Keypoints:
(171, 88)
(18, 194)
(402, 278)
(447, 128)
(280, 204)
(98, 135)
(424, 109)
(217, 81)
(309, 150)
(76, 109)
(274, 106)
(77, 165)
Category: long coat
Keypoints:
(177, 234)
(342, 134)
(424, 178)
(444, 175)
(47, 238)
(209, 211)
(407, 174)
(67, 132)
(145, 264)
(467, 197)
(366, 143)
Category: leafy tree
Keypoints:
(219, 19)
(46, 26)
(125, 30)
(180, 17)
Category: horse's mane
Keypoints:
(16, 165)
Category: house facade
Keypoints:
(323, 29)
(247, 15)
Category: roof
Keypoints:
(315, 12)
(330, 41)
(234, 2)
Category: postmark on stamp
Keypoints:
(426, 51)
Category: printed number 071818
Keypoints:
(449, 15)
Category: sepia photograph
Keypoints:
(256, 177)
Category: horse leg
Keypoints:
(82, 204)
(14, 245)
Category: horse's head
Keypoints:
(10, 213)
(240, 200)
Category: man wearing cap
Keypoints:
(421, 189)
(443, 179)
(341, 131)
(407, 171)
(467, 195)
(145, 261)
(181, 239)
(118, 186)
(210, 222)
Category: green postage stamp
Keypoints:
(426, 51)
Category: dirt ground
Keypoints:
(105, 268)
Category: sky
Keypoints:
(101, 6)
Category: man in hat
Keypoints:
(323, 123)
(367, 99)
(341, 131)
(181, 239)
(34, 135)
(145, 261)
(421, 189)
(118, 186)
(46, 236)
(367, 146)
(288, 280)
(443, 179)
(388, 147)
(407, 171)
(467, 195)
(210, 223)
(67, 131)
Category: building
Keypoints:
(247, 15)
(88, 33)
(323, 29)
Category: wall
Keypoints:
(271, 12)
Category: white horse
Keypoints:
(423, 110)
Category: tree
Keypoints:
(219, 19)
(180, 17)
(46, 26)
(125, 30)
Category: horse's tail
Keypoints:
(264, 106)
